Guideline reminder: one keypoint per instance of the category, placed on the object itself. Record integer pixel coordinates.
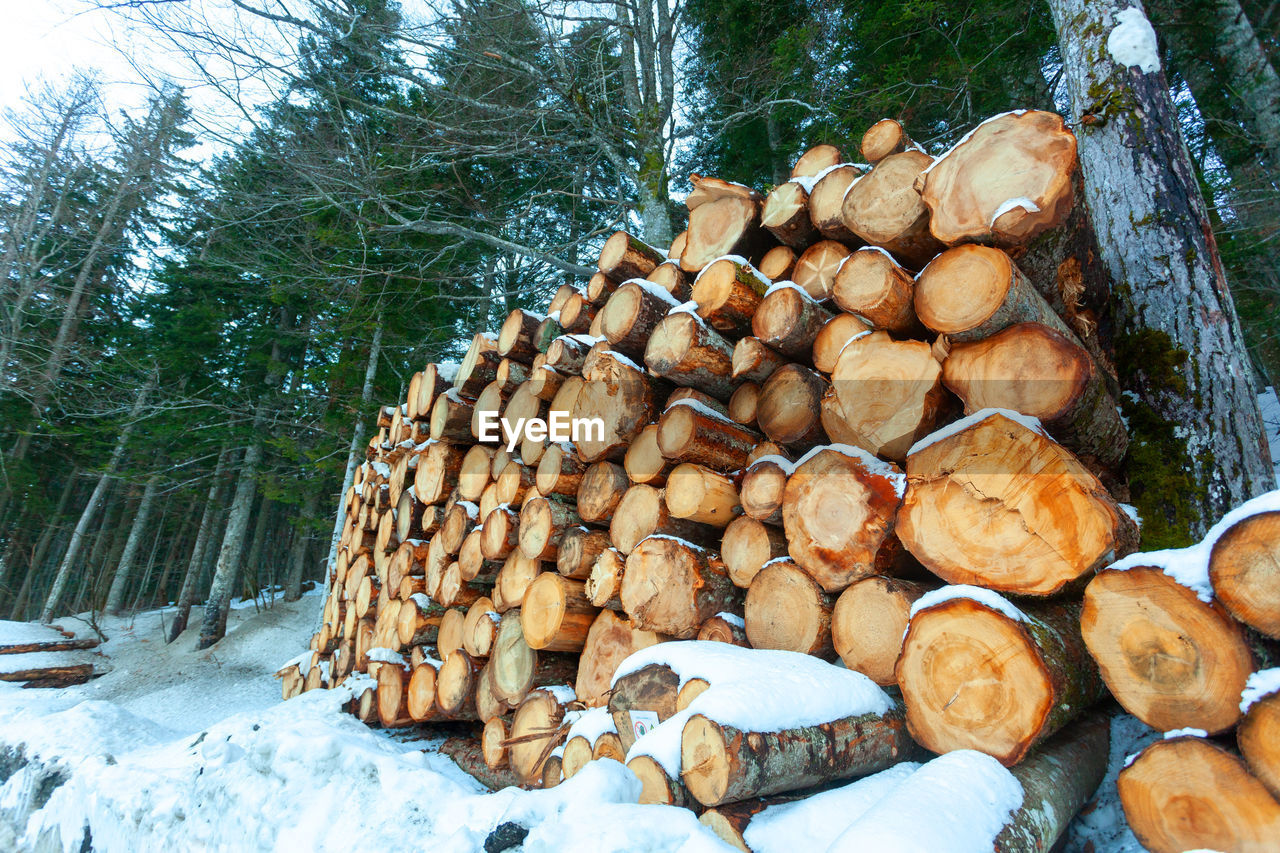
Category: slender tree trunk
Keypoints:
(151, 560)
(226, 573)
(1253, 79)
(354, 454)
(72, 555)
(253, 563)
(51, 527)
(1198, 447)
(124, 570)
(195, 565)
(298, 548)
(104, 541)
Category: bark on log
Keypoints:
(753, 361)
(651, 688)
(1034, 370)
(685, 350)
(451, 417)
(672, 279)
(543, 522)
(789, 320)
(974, 677)
(722, 764)
(625, 257)
(689, 434)
(516, 337)
(621, 396)
(628, 318)
(559, 471)
(728, 291)
(479, 366)
(723, 628)
(466, 753)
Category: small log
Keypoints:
(515, 483)
(672, 586)
(762, 488)
(816, 269)
(1005, 183)
(788, 410)
(600, 489)
(393, 695)
(883, 138)
(556, 614)
(559, 471)
(873, 286)
(743, 403)
(1186, 793)
(817, 160)
(723, 764)
(975, 677)
(1258, 737)
(493, 743)
(643, 512)
(513, 580)
(452, 632)
(516, 337)
(869, 621)
(753, 361)
(888, 393)
(489, 706)
(1172, 660)
(560, 297)
(456, 687)
(779, 261)
(692, 434)
(451, 417)
(516, 668)
(536, 730)
(656, 786)
(672, 279)
(480, 628)
(577, 752)
(473, 476)
(723, 628)
(437, 471)
(748, 545)
(575, 319)
(789, 320)
(1000, 505)
(699, 494)
(707, 189)
(611, 640)
(511, 375)
(579, 548)
(628, 318)
(625, 257)
(418, 622)
(1244, 567)
(728, 291)
(825, 201)
(884, 209)
(545, 382)
(52, 676)
(501, 533)
(686, 351)
(699, 397)
(479, 366)
(1034, 370)
(543, 522)
(787, 610)
(676, 249)
(606, 579)
(786, 215)
(599, 288)
(644, 462)
(458, 522)
(971, 292)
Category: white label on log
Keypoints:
(643, 722)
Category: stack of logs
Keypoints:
(792, 427)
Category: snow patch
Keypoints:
(1187, 732)
(1013, 204)
(782, 462)
(1133, 42)
(787, 285)
(987, 598)
(958, 803)
(732, 618)
(808, 182)
(382, 654)
(591, 724)
(874, 465)
(654, 290)
(699, 406)
(1260, 685)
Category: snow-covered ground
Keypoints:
(1270, 405)
(175, 749)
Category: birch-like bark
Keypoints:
(1197, 429)
(124, 569)
(227, 571)
(74, 547)
(195, 565)
(354, 453)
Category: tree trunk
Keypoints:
(124, 570)
(195, 565)
(298, 548)
(1201, 449)
(226, 573)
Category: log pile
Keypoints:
(839, 421)
(45, 656)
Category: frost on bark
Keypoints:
(1198, 447)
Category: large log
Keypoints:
(889, 393)
(997, 503)
(727, 226)
(815, 270)
(611, 640)
(1186, 793)
(671, 586)
(1244, 568)
(697, 493)
(625, 257)
(1005, 183)
(692, 433)
(437, 471)
(787, 610)
(722, 764)
(685, 350)
(643, 512)
(620, 395)
(1034, 370)
(873, 286)
(1172, 660)
(884, 209)
(672, 279)
(817, 160)
(601, 488)
(978, 673)
(838, 509)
